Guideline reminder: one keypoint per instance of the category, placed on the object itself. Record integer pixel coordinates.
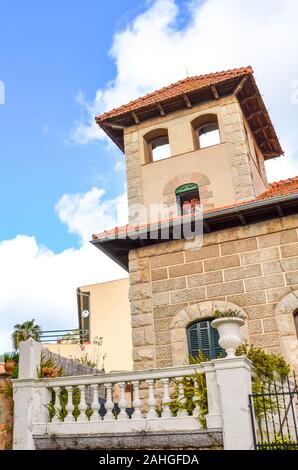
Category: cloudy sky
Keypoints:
(62, 62)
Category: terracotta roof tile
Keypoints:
(280, 188)
(175, 89)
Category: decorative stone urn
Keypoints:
(229, 333)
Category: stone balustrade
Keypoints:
(129, 403)
(116, 402)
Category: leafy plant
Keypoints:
(11, 356)
(267, 367)
(24, 331)
(194, 393)
(48, 367)
(15, 372)
(85, 361)
(280, 443)
(61, 412)
(228, 314)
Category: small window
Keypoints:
(296, 321)
(203, 338)
(188, 199)
(209, 135)
(206, 131)
(160, 148)
(157, 146)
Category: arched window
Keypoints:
(296, 321)
(188, 198)
(206, 130)
(157, 146)
(202, 337)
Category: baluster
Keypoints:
(95, 405)
(166, 411)
(137, 414)
(181, 397)
(82, 405)
(55, 418)
(196, 410)
(122, 402)
(151, 400)
(69, 418)
(109, 405)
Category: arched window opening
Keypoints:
(160, 148)
(296, 321)
(157, 145)
(188, 199)
(206, 130)
(203, 338)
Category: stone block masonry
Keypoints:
(254, 268)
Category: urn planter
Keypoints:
(229, 333)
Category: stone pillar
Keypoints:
(30, 352)
(233, 377)
(30, 397)
(213, 418)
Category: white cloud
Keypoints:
(37, 283)
(152, 52)
(87, 213)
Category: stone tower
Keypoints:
(205, 140)
(202, 138)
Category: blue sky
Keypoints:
(62, 62)
(48, 52)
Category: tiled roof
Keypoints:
(175, 89)
(281, 188)
(278, 189)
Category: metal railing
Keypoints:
(274, 415)
(72, 336)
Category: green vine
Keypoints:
(267, 367)
(194, 393)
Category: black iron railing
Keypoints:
(74, 336)
(274, 415)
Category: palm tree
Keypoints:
(23, 331)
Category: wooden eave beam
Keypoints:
(160, 109)
(215, 92)
(270, 155)
(186, 101)
(251, 116)
(206, 227)
(135, 117)
(240, 86)
(114, 126)
(279, 210)
(263, 128)
(249, 98)
(268, 141)
(242, 218)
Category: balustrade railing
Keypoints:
(119, 396)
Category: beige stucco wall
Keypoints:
(231, 167)
(253, 268)
(110, 319)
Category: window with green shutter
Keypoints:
(202, 337)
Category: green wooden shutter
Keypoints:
(202, 337)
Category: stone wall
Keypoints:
(6, 413)
(254, 268)
(70, 366)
